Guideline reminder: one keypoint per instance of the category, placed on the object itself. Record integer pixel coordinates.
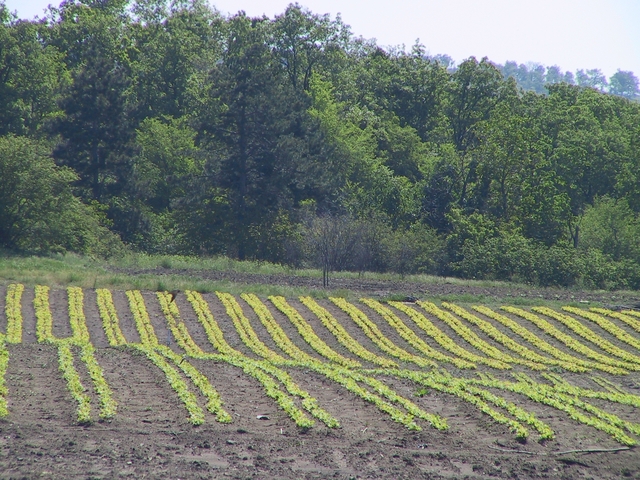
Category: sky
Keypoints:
(573, 34)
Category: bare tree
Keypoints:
(371, 250)
(332, 241)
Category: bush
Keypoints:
(601, 271)
(415, 250)
(38, 212)
(556, 265)
(610, 226)
(511, 256)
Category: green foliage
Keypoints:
(31, 79)
(38, 212)
(612, 228)
(166, 159)
(305, 41)
(416, 250)
(624, 84)
(190, 132)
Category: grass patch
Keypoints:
(65, 270)
(142, 261)
(173, 272)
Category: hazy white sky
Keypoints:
(572, 34)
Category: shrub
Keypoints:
(38, 211)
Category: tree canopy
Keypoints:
(169, 127)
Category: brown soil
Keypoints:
(151, 438)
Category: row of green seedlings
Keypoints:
(482, 398)
(565, 397)
(497, 358)
(567, 361)
(374, 334)
(471, 393)
(591, 336)
(79, 339)
(561, 359)
(464, 358)
(343, 337)
(13, 312)
(264, 372)
(608, 326)
(493, 399)
(479, 398)
(525, 352)
(561, 396)
(630, 317)
(338, 373)
(382, 396)
(494, 358)
(471, 338)
(605, 363)
(161, 356)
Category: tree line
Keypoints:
(534, 76)
(166, 127)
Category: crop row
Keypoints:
(568, 362)
(108, 405)
(79, 339)
(271, 369)
(558, 399)
(535, 358)
(372, 331)
(264, 372)
(627, 316)
(606, 325)
(561, 396)
(338, 331)
(564, 401)
(417, 343)
(615, 366)
(4, 363)
(591, 336)
(109, 317)
(13, 312)
(44, 333)
(337, 372)
(158, 355)
(471, 338)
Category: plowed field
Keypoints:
(106, 384)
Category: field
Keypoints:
(104, 383)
